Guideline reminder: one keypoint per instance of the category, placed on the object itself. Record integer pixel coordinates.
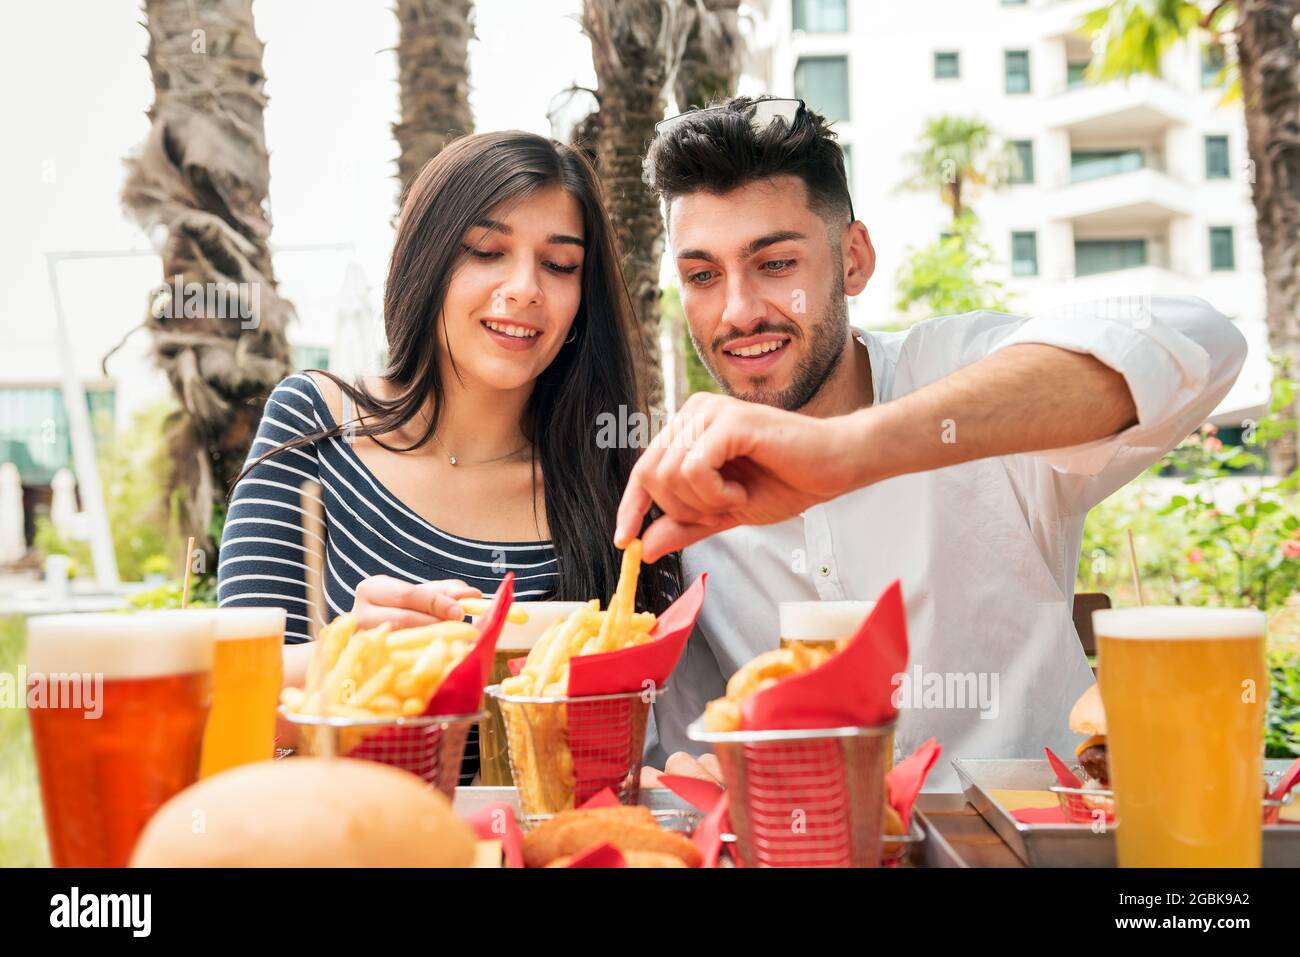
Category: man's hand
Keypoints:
(382, 598)
(722, 462)
(706, 768)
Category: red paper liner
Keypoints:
(496, 822)
(427, 751)
(853, 689)
(906, 778)
(603, 854)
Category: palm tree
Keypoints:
(198, 186)
(957, 155)
(1133, 36)
(433, 76)
(640, 51)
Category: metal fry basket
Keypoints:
(564, 750)
(806, 798)
(431, 747)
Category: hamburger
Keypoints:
(1087, 717)
(307, 812)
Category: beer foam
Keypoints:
(146, 644)
(235, 623)
(1178, 621)
(541, 615)
(822, 620)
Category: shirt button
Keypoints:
(824, 570)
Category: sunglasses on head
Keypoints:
(764, 113)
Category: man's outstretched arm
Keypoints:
(1050, 385)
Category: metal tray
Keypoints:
(926, 847)
(1076, 845)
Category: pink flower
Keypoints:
(1213, 444)
(1195, 556)
(1291, 548)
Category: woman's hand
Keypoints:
(382, 598)
(706, 768)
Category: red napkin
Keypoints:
(1041, 815)
(603, 854)
(905, 779)
(853, 689)
(496, 822)
(1067, 777)
(461, 692)
(710, 798)
(642, 666)
(605, 797)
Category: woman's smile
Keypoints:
(509, 334)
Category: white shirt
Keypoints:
(986, 551)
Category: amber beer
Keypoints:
(515, 641)
(821, 623)
(1184, 690)
(103, 777)
(247, 671)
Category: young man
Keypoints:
(960, 456)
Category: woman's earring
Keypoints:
(572, 335)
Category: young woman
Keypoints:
(475, 454)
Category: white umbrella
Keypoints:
(63, 503)
(355, 348)
(13, 542)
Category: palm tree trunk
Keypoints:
(1268, 53)
(433, 76)
(198, 186)
(628, 51)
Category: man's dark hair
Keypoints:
(716, 150)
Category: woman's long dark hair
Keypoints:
(591, 375)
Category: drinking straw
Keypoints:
(1133, 555)
(313, 547)
(185, 573)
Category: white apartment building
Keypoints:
(1130, 187)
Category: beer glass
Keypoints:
(1184, 690)
(247, 672)
(515, 641)
(117, 704)
(821, 623)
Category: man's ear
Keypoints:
(858, 256)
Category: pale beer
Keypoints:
(821, 623)
(1184, 690)
(247, 671)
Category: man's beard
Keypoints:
(826, 339)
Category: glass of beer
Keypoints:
(515, 642)
(1184, 691)
(117, 704)
(821, 623)
(247, 672)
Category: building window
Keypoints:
(1216, 157)
(311, 357)
(1076, 74)
(1022, 161)
(823, 83)
(1017, 64)
(1024, 254)
(1092, 256)
(1094, 164)
(34, 432)
(1222, 255)
(821, 16)
(947, 66)
(1213, 61)
(1013, 3)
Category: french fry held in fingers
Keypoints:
(538, 733)
(474, 607)
(378, 673)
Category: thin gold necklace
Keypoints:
(451, 457)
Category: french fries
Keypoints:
(538, 732)
(479, 606)
(378, 673)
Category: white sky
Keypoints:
(75, 91)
